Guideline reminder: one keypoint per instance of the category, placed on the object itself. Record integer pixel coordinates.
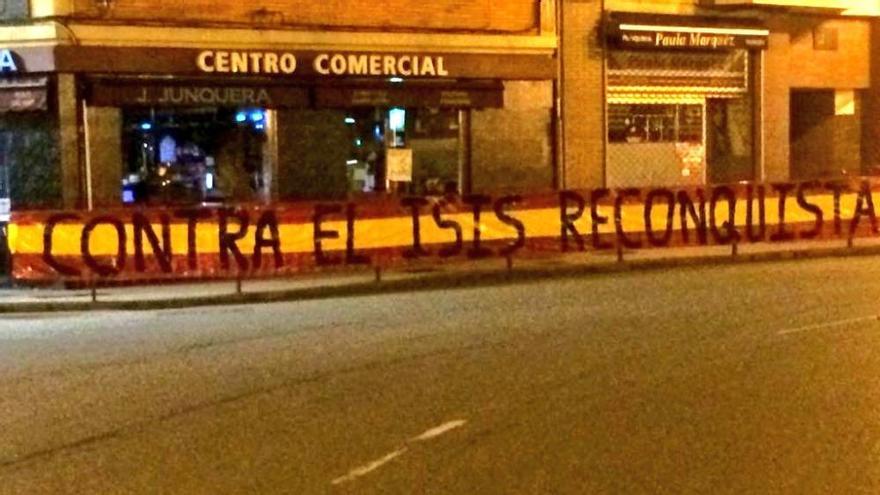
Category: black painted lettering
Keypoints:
(48, 240)
(268, 220)
(864, 206)
(567, 218)
(162, 252)
(104, 270)
(811, 208)
(321, 211)
(477, 202)
(750, 213)
(622, 237)
(781, 234)
(192, 217)
(229, 240)
(726, 233)
(688, 209)
(668, 198)
(352, 257)
(500, 205)
(595, 196)
(837, 188)
(442, 223)
(415, 204)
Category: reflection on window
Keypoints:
(655, 123)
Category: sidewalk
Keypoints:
(416, 276)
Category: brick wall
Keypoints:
(438, 15)
(793, 62)
(583, 95)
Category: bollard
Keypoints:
(238, 285)
(509, 263)
(94, 292)
(378, 273)
(734, 248)
(619, 253)
(849, 242)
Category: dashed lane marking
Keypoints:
(374, 465)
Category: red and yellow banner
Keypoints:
(268, 240)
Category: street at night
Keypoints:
(747, 378)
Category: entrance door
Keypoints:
(812, 134)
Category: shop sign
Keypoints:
(8, 64)
(109, 94)
(324, 64)
(328, 64)
(688, 38)
(23, 99)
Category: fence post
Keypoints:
(619, 252)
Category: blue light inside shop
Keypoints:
(397, 119)
(146, 126)
(240, 117)
(258, 116)
(260, 127)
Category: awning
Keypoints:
(671, 32)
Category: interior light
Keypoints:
(209, 181)
(350, 120)
(257, 116)
(397, 119)
(146, 126)
(351, 162)
(240, 117)
(260, 127)
(396, 80)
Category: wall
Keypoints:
(583, 104)
(105, 153)
(13, 9)
(440, 15)
(511, 148)
(792, 62)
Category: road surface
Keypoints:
(755, 378)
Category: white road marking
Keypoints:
(368, 468)
(828, 324)
(374, 465)
(436, 432)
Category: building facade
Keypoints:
(158, 102)
(684, 93)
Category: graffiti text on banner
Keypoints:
(131, 244)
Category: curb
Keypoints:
(474, 278)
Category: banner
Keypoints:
(277, 240)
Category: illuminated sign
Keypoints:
(7, 62)
(688, 37)
(324, 64)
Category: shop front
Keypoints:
(197, 126)
(682, 99)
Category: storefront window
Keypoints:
(193, 155)
(655, 123)
(679, 118)
(403, 150)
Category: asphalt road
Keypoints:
(758, 378)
